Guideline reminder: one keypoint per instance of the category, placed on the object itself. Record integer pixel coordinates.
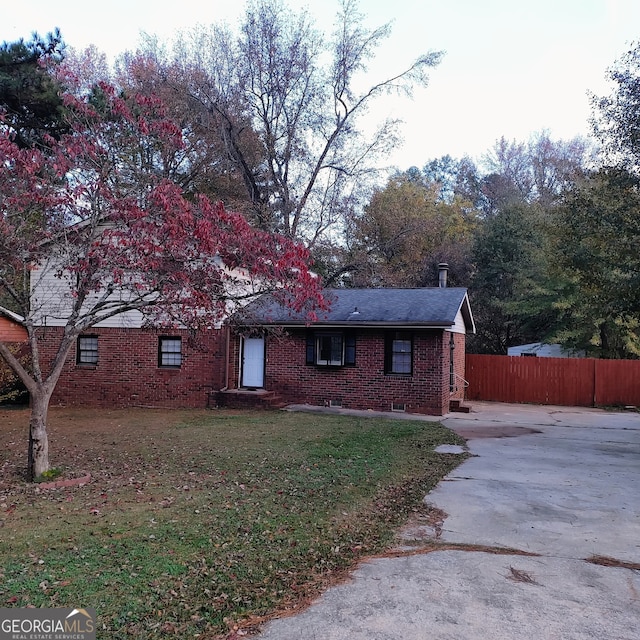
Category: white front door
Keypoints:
(253, 363)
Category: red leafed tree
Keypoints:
(95, 214)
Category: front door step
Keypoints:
(247, 399)
(456, 406)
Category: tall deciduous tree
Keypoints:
(406, 230)
(295, 93)
(515, 289)
(616, 118)
(203, 165)
(597, 237)
(536, 171)
(509, 290)
(85, 68)
(114, 235)
(597, 229)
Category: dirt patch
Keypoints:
(424, 525)
(493, 431)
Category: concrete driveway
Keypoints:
(548, 489)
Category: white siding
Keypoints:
(51, 301)
(459, 325)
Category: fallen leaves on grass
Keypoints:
(214, 519)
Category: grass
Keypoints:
(196, 522)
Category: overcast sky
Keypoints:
(511, 68)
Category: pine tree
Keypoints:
(30, 101)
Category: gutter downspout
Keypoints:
(226, 357)
(452, 372)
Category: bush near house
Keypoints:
(12, 390)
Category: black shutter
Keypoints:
(388, 351)
(350, 349)
(311, 348)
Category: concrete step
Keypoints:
(456, 406)
(247, 399)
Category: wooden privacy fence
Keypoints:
(578, 382)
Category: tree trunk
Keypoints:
(38, 457)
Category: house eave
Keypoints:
(362, 325)
(10, 315)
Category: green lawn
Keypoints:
(196, 521)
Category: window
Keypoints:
(331, 349)
(399, 353)
(87, 350)
(170, 352)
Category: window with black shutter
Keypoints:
(331, 348)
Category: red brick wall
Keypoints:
(127, 373)
(364, 386)
(11, 332)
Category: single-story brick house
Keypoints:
(381, 349)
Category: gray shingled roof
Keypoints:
(429, 307)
